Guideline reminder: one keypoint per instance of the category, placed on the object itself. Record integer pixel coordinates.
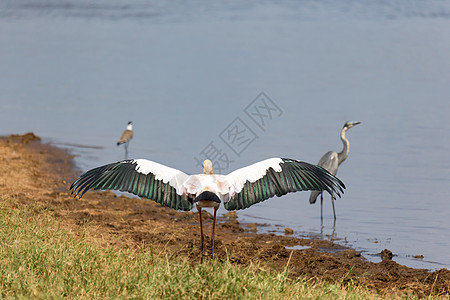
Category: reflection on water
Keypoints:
(233, 10)
(298, 247)
(76, 71)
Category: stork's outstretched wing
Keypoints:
(278, 176)
(329, 161)
(141, 177)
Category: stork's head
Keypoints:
(350, 124)
(207, 167)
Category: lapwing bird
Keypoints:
(237, 190)
(125, 138)
(330, 161)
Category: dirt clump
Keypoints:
(36, 173)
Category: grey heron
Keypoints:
(330, 161)
(125, 138)
(237, 190)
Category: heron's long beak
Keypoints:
(353, 123)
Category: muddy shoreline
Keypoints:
(37, 173)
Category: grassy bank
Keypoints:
(39, 259)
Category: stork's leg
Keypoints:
(334, 212)
(201, 232)
(212, 234)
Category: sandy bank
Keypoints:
(33, 172)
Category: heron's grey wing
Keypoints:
(329, 161)
(313, 196)
(141, 177)
(278, 176)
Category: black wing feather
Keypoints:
(294, 176)
(123, 176)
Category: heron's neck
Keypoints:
(344, 153)
(129, 127)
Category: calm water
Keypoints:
(75, 72)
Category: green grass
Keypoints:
(38, 259)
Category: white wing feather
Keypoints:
(252, 173)
(225, 186)
(174, 177)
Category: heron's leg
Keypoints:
(334, 212)
(321, 228)
(201, 231)
(334, 221)
(212, 234)
(321, 205)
